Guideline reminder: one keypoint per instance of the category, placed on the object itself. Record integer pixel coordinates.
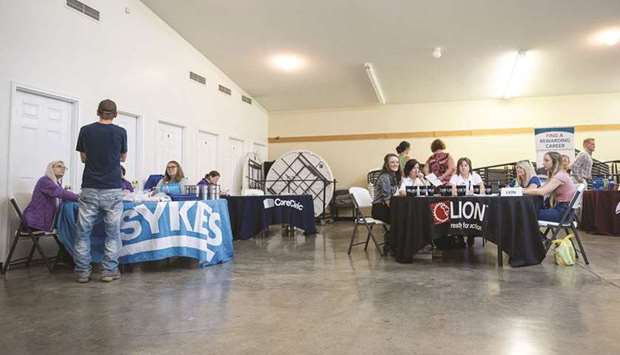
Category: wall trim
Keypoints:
(431, 134)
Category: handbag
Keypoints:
(564, 251)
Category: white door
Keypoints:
(41, 132)
(234, 162)
(130, 124)
(169, 145)
(41, 129)
(260, 150)
(207, 153)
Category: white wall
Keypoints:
(135, 59)
(351, 160)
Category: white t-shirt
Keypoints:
(407, 181)
(473, 180)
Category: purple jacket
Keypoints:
(126, 185)
(203, 182)
(42, 208)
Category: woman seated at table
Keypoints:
(413, 176)
(386, 186)
(469, 179)
(525, 175)
(212, 178)
(173, 180)
(440, 163)
(559, 187)
(46, 197)
(125, 185)
(465, 177)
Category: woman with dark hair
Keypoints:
(125, 185)
(465, 176)
(212, 178)
(403, 153)
(174, 179)
(386, 186)
(469, 179)
(46, 197)
(440, 163)
(413, 176)
(559, 187)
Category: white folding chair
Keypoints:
(568, 222)
(361, 199)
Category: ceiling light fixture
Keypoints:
(370, 71)
(287, 62)
(609, 37)
(437, 53)
(515, 73)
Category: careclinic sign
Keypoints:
(557, 139)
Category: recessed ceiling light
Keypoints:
(437, 53)
(609, 37)
(287, 62)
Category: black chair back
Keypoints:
(18, 210)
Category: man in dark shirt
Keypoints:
(102, 146)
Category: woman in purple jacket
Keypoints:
(48, 192)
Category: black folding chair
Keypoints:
(568, 222)
(361, 199)
(24, 232)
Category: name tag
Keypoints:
(511, 191)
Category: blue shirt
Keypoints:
(103, 145)
(533, 180)
(171, 188)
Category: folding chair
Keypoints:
(361, 199)
(23, 232)
(568, 222)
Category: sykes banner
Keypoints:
(158, 230)
(460, 217)
(558, 139)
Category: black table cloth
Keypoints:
(250, 215)
(509, 222)
(601, 212)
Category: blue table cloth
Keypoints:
(250, 215)
(158, 230)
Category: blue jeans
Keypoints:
(93, 203)
(553, 214)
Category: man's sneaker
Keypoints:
(110, 276)
(83, 278)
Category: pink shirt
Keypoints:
(564, 192)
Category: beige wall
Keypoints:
(351, 160)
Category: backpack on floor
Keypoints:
(564, 251)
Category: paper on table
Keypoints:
(433, 179)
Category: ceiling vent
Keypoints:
(199, 78)
(83, 8)
(246, 99)
(225, 90)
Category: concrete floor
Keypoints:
(304, 295)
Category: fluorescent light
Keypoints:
(609, 37)
(516, 73)
(287, 62)
(370, 71)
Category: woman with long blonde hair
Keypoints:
(559, 187)
(525, 175)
